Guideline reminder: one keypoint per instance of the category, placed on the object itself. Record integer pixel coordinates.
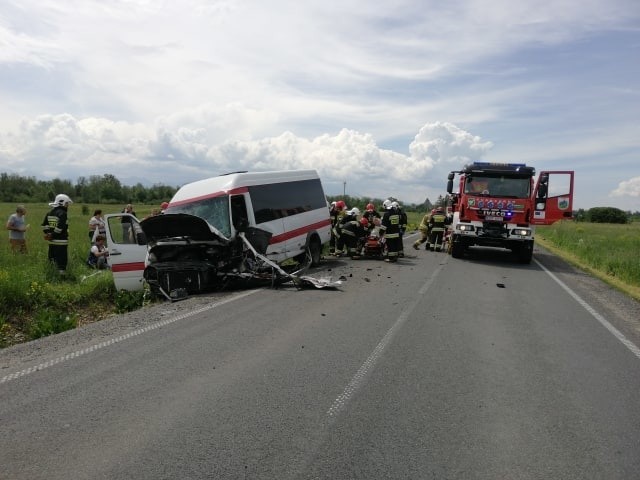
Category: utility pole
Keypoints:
(344, 188)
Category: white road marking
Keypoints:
(358, 379)
(614, 331)
(119, 339)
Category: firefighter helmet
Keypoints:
(370, 207)
(340, 205)
(386, 204)
(364, 222)
(395, 205)
(354, 211)
(61, 200)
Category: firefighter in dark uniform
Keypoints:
(55, 227)
(352, 232)
(391, 229)
(372, 216)
(336, 212)
(437, 225)
(403, 225)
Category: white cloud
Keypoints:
(172, 155)
(630, 188)
(443, 142)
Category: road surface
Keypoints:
(431, 368)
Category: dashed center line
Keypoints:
(358, 379)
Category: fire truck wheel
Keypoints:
(525, 254)
(457, 250)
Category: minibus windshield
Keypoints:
(214, 210)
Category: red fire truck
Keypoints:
(499, 204)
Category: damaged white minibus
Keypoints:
(216, 230)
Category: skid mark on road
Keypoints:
(605, 323)
(135, 333)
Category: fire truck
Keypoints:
(499, 205)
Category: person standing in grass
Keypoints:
(18, 230)
(55, 227)
(127, 234)
(96, 225)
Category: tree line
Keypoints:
(101, 189)
(107, 189)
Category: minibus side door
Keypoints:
(127, 251)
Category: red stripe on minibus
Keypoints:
(127, 267)
(299, 231)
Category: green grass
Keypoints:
(610, 251)
(35, 300)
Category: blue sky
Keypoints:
(388, 99)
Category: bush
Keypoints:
(49, 322)
(606, 215)
(129, 301)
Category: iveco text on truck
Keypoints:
(498, 205)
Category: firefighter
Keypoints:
(403, 225)
(437, 225)
(372, 216)
(352, 232)
(336, 212)
(424, 230)
(55, 228)
(391, 231)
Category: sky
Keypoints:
(381, 98)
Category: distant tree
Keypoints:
(580, 215)
(607, 215)
(427, 205)
(112, 189)
(62, 186)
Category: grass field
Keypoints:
(609, 251)
(35, 301)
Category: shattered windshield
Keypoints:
(214, 210)
(498, 186)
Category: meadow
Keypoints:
(608, 251)
(35, 300)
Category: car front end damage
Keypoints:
(186, 255)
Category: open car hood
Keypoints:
(176, 225)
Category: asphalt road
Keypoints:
(479, 368)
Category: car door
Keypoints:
(553, 197)
(127, 250)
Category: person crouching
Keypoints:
(98, 254)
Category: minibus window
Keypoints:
(239, 216)
(214, 210)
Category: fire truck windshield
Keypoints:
(498, 186)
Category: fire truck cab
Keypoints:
(499, 204)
